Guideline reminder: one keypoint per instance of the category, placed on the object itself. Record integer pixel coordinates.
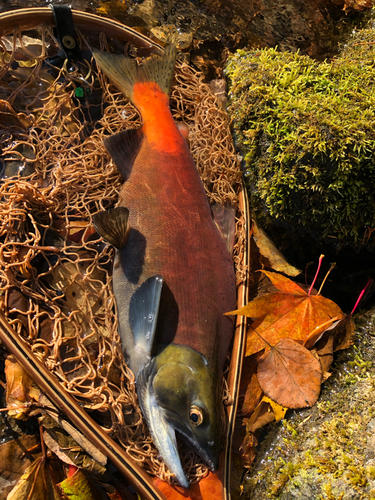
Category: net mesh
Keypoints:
(55, 271)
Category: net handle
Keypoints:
(29, 18)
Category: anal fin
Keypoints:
(143, 313)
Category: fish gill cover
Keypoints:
(55, 272)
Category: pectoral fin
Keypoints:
(112, 225)
(143, 313)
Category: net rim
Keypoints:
(29, 18)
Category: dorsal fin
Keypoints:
(123, 148)
(225, 220)
(143, 313)
(112, 225)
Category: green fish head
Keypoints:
(186, 389)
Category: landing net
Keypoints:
(55, 271)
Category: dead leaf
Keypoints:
(20, 389)
(356, 5)
(208, 488)
(80, 487)
(278, 410)
(271, 253)
(9, 118)
(36, 483)
(324, 351)
(69, 446)
(54, 446)
(288, 313)
(14, 460)
(248, 449)
(318, 332)
(343, 333)
(263, 415)
(69, 429)
(290, 375)
(249, 384)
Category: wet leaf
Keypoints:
(79, 487)
(250, 385)
(343, 332)
(64, 444)
(36, 484)
(266, 247)
(9, 118)
(248, 449)
(318, 332)
(324, 351)
(278, 410)
(288, 313)
(290, 375)
(53, 445)
(14, 460)
(263, 415)
(208, 488)
(20, 389)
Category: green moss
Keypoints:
(307, 134)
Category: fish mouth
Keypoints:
(212, 462)
(162, 432)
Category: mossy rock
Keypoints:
(326, 452)
(306, 131)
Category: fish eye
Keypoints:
(195, 415)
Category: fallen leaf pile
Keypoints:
(289, 349)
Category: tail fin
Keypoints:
(124, 72)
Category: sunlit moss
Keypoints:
(307, 134)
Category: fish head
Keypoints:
(183, 395)
(186, 388)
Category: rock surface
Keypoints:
(328, 451)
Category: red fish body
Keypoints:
(168, 206)
(172, 236)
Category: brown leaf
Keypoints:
(36, 484)
(9, 118)
(343, 333)
(69, 446)
(288, 313)
(324, 350)
(249, 385)
(263, 415)
(20, 389)
(290, 375)
(266, 247)
(14, 459)
(248, 449)
(318, 332)
(80, 487)
(53, 445)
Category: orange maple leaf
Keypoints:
(289, 313)
(208, 488)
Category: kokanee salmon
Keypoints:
(173, 275)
